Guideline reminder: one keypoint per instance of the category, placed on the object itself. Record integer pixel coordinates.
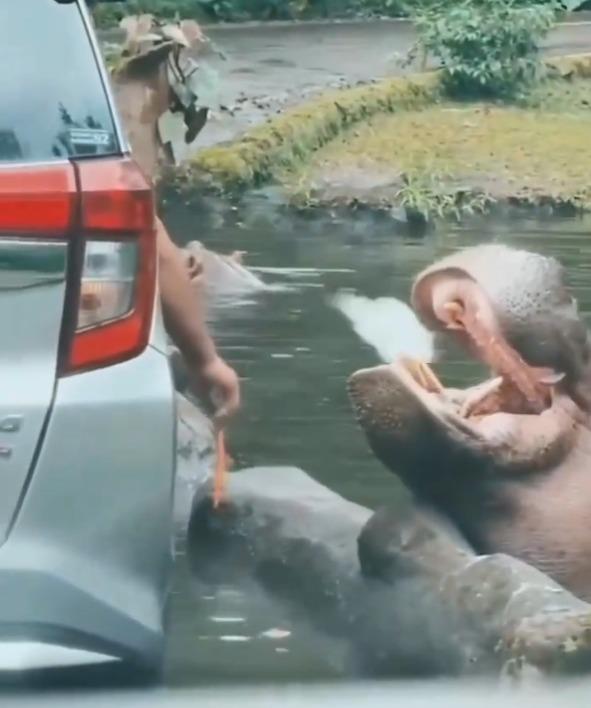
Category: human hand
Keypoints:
(221, 384)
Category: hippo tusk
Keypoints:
(549, 377)
(478, 395)
(423, 374)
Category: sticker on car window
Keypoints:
(93, 137)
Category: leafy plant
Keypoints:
(381, 7)
(427, 195)
(109, 14)
(488, 48)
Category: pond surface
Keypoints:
(294, 351)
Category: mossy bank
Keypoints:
(399, 142)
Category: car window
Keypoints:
(52, 101)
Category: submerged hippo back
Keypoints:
(535, 311)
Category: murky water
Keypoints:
(294, 351)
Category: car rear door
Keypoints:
(54, 113)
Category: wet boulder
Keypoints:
(409, 597)
(280, 526)
(514, 618)
(298, 540)
(195, 456)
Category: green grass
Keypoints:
(536, 153)
(287, 141)
(398, 142)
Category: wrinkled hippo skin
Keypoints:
(511, 480)
(408, 596)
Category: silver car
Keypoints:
(87, 411)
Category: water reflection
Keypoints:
(295, 348)
(10, 148)
(50, 85)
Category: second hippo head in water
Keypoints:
(220, 275)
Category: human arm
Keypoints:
(185, 322)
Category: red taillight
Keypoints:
(116, 286)
(38, 199)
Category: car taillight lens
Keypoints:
(111, 303)
(37, 200)
(107, 284)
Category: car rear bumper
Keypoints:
(87, 561)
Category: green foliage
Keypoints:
(455, 158)
(288, 140)
(380, 8)
(235, 10)
(109, 14)
(428, 195)
(488, 48)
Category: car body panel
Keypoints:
(32, 291)
(87, 460)
(92, 542)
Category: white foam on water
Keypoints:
(296, 272)
(276, 633)
(228, 620)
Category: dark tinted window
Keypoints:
(52, 101)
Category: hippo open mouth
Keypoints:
(518, 413)
(522, 323)
(413, 421)
(507, 460)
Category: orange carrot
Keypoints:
(221, 469)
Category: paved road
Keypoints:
(279, 57)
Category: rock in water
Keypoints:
(282, 527)
(514, 619)
(195, 456)
(407, 595)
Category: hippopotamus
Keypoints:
(221, 275)
(508, 460)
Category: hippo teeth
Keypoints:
(552, 378)
(478, 395)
